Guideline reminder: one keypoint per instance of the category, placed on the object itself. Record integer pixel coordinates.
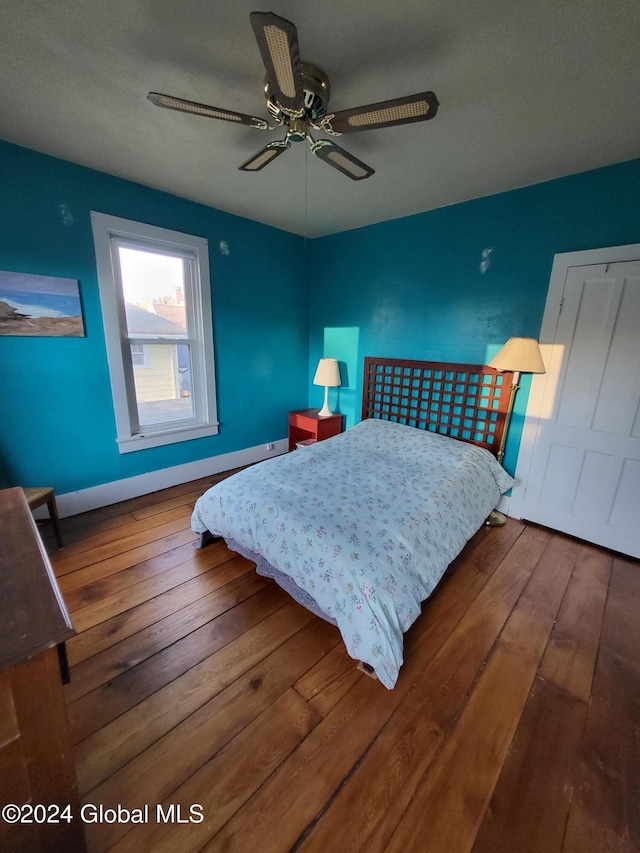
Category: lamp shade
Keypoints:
(327, 373)
(522, 355)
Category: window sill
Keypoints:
(130, 444)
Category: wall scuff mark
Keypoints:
(65, 214)
(486, 259)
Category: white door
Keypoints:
(579, 469)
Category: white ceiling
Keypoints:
(529, 91)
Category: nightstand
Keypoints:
(307, 423)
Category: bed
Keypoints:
(360, 528)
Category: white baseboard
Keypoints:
(73, 503)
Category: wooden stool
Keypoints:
(38, 497)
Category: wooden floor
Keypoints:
(514, 726)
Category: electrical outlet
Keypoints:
(270, 446)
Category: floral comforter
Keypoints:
(366, 523)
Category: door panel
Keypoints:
(625, 510)
(583, 474)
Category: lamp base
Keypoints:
(495, 519)
(325, 411)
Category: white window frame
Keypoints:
(109, 234)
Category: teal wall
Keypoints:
(414, 287)
(411, 287)
(56, 418)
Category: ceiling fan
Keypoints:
(297, 96)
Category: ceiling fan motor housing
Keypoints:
(316, 88)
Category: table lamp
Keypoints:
(327, 374)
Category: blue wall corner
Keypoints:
(454, 284)
(58, 424)
(446, 285)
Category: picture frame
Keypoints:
(40, 306)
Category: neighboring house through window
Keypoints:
(156, 306)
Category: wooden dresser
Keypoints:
(36, 761)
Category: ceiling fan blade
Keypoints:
(405, 110)
(278, 42)
(341, 160)
(182, 106)
(265, 156)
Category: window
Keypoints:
(156, 307)
(139, 356)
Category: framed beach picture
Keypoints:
(40, 305)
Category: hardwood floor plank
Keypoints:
(585, 835)
(122, 580)
(615, 710)
(607, 778)
(401, 754)
(235, 697)
(541, 533)
(187, 499)
(106, 634)
(332, 666)
(110, 700)
(324, 701)
(226, 782)
(104, 666)
(332, 677)
(74, 532)
(570, 658)
(104, 545)
(170, 539)
(449, 805)
(154, 774)
(621, 628)
(290, 799)
(118, 742)
(530, 804)
(463, 583)
(366, 812)
(113, 605)
(310, 777)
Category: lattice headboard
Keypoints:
(464, 401)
